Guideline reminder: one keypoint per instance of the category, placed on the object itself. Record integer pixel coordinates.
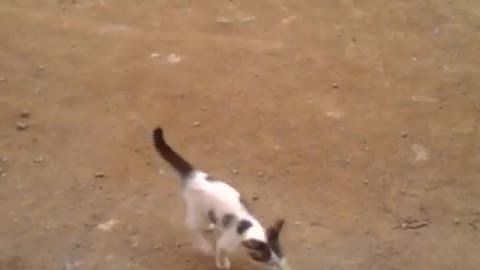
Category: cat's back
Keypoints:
(223, 198)
(213, 192)
(222, 189)
(201, 182)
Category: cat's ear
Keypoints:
(278, 225)
(274, 231)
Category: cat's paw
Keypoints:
(211, 227)
(225, 265)
(204, 247)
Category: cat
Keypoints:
(215, 205)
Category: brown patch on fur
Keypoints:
(210, 178)
(243, 225)
(258, 250)
(228, 219)
(212, 217)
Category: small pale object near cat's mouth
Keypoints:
(283, 265)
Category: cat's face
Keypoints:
(269, 252)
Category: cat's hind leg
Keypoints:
(196, 224)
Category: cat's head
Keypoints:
(269, 251)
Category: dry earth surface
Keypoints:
(357, 121)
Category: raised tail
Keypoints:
(173, 158)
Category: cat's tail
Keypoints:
(173, 158)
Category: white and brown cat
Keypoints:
(216, 205)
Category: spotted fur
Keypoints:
(214, 203)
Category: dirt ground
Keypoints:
(357, 121)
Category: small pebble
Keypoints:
(4, 160)
(132, 230)
(3, 80)
(196, 123)
(404, 134)
(174, 58)
(365, 181)
(234, 171)
(69, 265)
(25, 114)
(255, 198)
(298, 223)
(315, 223)
(260, 174)
(22, 126)
(335, 85)
(204, 108)
(456, 221)
(108, 226)
(99, 174)
(134, 243)
(223, 20)
(39, 159)
(178, 244)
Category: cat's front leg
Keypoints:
(221, 259)
(224, 247)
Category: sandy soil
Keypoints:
(357, 121)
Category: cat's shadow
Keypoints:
(198, 261)
(185, 257)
